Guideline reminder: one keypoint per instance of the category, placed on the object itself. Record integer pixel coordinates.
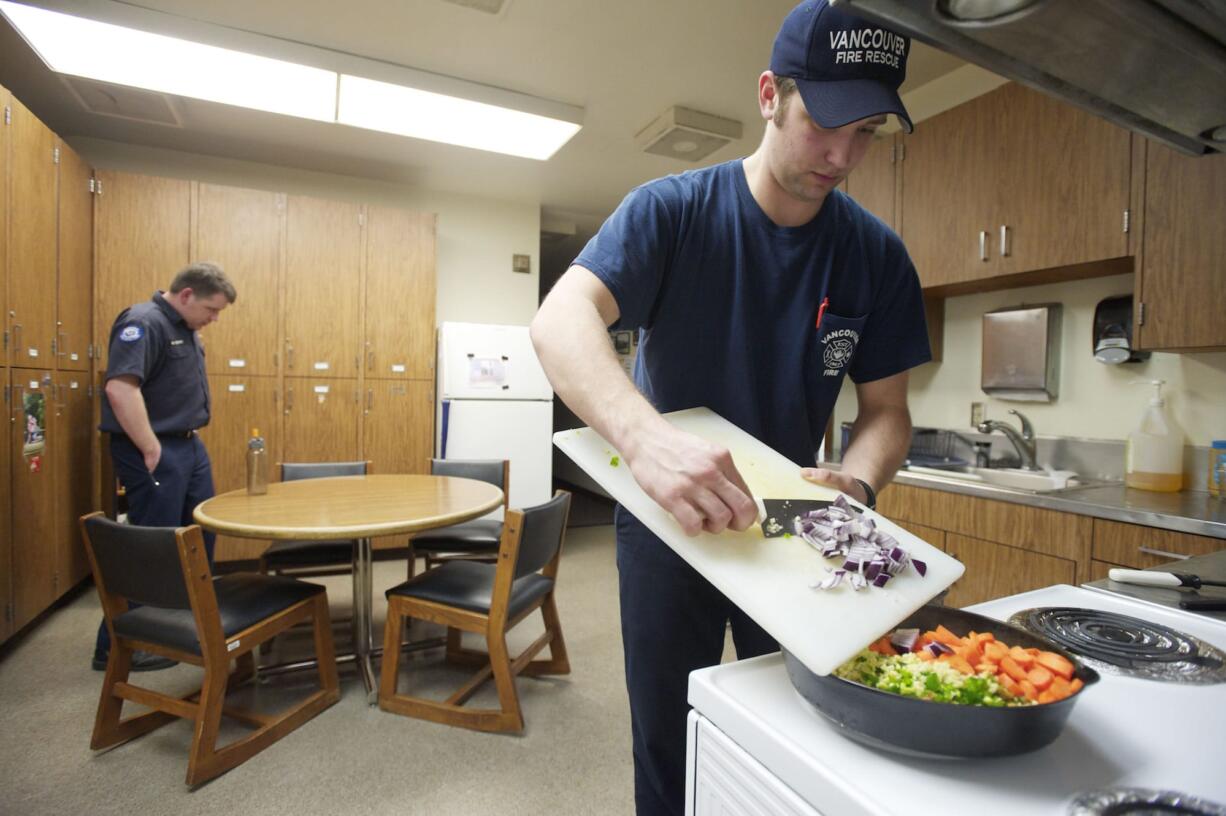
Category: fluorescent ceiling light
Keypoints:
(374, 105)
(126, 56)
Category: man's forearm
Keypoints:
(880, 440)
(129, 406)
(572, 343)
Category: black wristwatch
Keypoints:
(871, 501)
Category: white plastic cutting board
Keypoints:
(770, 578)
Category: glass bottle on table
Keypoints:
(257, 464)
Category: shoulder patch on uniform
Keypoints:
(130, 334)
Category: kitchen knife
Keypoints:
(779, 515)
(1160, 579)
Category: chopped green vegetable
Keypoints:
(615, 461)
(910, 676)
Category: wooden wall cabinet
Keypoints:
(322, 286)
(321, 420)
(1007, 548)
(1013, 182)
(73, 482)
(243, 231)
(75, 278)
(400, 294)
(1181, 286)
(397, 423)
(30, 321)
(32, 491)
(6, 529)
(143, 236)
(6, 109)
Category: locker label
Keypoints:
(237, 388)
(73, 357)
(322, 389)
(322, 366)
(238, 364)
(74, 385)
(33, 352)
(397, 368)
(34, 384)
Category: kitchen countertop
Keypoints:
(1211, 567)
(1188, 511)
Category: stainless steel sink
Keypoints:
(1027, 481)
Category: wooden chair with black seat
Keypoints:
(475, 540)
(187, 615)
(312, 558)
(468, 596)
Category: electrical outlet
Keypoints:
(977, 414)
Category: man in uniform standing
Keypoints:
(157, 397)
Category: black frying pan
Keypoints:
(924, 728)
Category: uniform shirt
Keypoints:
(150, 342)
(726, 302)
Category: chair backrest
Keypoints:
(494, 471)
(541, 529)
(293, 471)
(140, 564)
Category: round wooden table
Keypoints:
(350, 507)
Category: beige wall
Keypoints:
(476, 237)
(1096, 401)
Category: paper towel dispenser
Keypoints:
(1021, 353)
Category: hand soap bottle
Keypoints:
(257, 464)
(1155, 448)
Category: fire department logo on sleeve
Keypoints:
(840, 345)
(130, 334)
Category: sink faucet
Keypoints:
(1023, 442)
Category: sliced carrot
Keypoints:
(883, 646)
(1075, 685)
(961, 665)
(1029, 690)
(995, 651)
(1033, 651)
(1010, 667)
(1010, 685)
(1060, 687)
(1056, 664)
(943, 635)
(925, 655)
(985, 668)
(985, 637)
(1047, 696)
(1020, 656)
(1041, 678)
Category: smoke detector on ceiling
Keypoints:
(488, 6)
(123, 102)
(681, 133)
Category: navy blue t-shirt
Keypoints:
(151, 342)
(727, 303)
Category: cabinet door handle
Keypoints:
(983, 245)
(16, 337)
(289, 399)
(1004, 240)
(370, 399)
(62, 350)
(289, 356)
(1163, 554)
(370, 360)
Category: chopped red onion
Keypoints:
(904, 639)
(869, 555)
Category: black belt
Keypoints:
(163, 435)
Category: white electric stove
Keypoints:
(757, 747)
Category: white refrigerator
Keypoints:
(494, 402)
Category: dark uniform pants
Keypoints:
(673, 622)
(165, 498)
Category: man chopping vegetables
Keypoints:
(756, 286)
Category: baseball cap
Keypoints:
(846, 68)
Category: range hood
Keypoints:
(1157, 67)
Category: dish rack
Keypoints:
(934, 447)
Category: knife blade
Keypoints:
(1160, 579)
(779, 515)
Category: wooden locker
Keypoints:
(31, 240)
(74, 283)
(33, 495)
(5, 129)
(142, 228)
(398, 422)
(240, 403)
(400, 294)
(74, 429)
(242, 231)
(321, 420)
(6, 525)
(323, 256)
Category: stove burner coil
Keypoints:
(1125, 645)
(1141, 802)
